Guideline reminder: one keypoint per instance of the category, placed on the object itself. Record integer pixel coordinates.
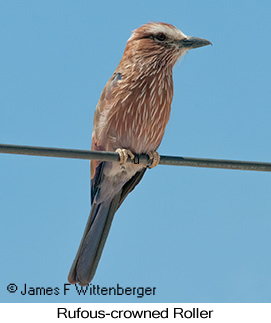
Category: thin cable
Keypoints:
(139, 159)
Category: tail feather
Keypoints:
(97, 228)
(89, 252)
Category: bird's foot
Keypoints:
(154, 159)
(124, 154)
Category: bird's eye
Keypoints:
(160, 37)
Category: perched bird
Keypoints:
(130, 118)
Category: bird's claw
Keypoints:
(124, 154)
(154, 159)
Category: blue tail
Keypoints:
(99, 222)
(88, 255)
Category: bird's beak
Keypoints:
(193, 42)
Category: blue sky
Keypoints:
(197, 235)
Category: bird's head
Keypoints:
(160, 43)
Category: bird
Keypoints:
(130, 118)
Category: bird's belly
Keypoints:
(139, 128)
(140, 140)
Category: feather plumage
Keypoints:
(132, 113)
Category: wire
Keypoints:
(139, 159)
